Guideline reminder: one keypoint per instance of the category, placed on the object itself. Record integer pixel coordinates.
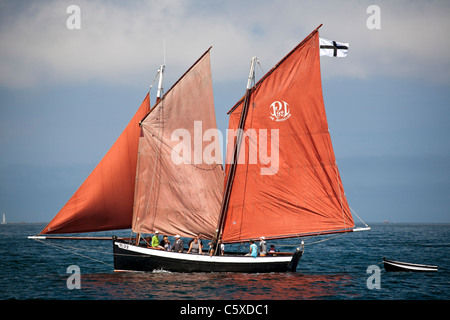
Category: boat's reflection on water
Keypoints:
(161, 285)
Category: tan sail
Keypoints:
(178, 190)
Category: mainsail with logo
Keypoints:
(296, 190)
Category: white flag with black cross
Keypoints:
(332, 48)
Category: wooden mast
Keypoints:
(237, 146)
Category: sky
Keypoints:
(67, 94)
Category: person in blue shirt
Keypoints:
(253, 249)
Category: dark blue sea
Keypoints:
(336, 269)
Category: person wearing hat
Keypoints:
(155, 240)
(262, 247)
(178, 245)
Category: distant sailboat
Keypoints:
(4, 219)
(139, 185)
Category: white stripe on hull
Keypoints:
(202, 258)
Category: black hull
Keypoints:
(129, 257)
(398, 266)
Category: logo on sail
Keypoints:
(279, 111)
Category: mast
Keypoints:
(160, 91)
(159, 95)
(237, 146)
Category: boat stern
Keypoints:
(295, 259)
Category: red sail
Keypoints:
(105, 200)
(299, 191)
(178, 185)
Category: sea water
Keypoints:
(341, 268)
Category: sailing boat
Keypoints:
(296, 192)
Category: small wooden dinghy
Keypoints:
(390, 265)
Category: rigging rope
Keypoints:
(358, 217)
(305, 244)
(259, 64)
(66, 248)
(323, 240)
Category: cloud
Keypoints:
(116, 42)
(121, 42)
